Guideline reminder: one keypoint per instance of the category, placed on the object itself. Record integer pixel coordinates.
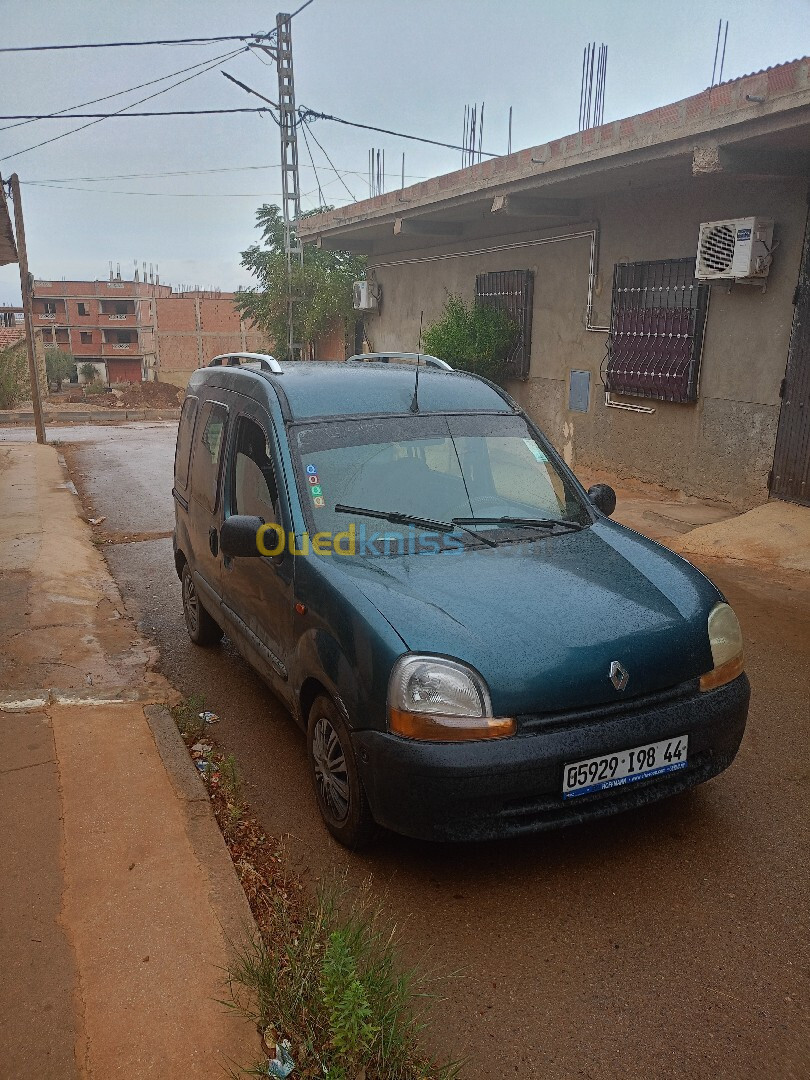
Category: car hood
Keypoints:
(542, 620)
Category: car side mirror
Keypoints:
(237, 537)
(603, 498)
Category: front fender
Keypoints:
(346, 644)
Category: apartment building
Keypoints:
(134, 331)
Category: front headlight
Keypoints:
(441, 700)
(725, 638)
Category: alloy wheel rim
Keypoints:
(331, 773)
(190, 603)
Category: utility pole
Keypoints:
(26, 289)
(290, 187)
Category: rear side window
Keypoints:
(208, 449)
(182, 453)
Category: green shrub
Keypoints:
(14, 385)
(89, 372)
(472, 337)
(93, 388)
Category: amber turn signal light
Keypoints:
(726, 673)
(449, 728)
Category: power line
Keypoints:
(197, 172)
(55, 138)
(163, 194)
(129, 44)
(128, 116)
(312, 162)
(300, 9)
(253, 38)
(315, 138)
(120, 93)
(307, 115)
(173, 194)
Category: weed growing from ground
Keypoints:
(187, 717)
(329, 981)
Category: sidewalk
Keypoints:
(119, 898)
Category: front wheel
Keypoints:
(202, 629)
(338, 789)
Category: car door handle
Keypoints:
(213, 542)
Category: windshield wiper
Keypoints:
(521, 522)
(397, 518)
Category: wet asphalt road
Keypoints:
(668, 942)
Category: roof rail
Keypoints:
(237, 359)
(399, 357)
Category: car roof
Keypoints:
(309, 389)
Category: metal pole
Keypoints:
(25, 288)
(723, 57)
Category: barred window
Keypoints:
(656, 330)
(511, 291)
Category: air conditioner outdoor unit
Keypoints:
(738, 249)
(366, 296)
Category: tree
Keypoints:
(472, 337)
(89, 372)
(323, 287)
(59, 366)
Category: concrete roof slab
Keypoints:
(762, 112)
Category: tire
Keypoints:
(338, 788)
(202, 628)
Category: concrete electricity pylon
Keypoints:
(290, 184)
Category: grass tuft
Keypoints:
(329, 982)
(187, 717)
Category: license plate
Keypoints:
(624, 767)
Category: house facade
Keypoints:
(133, 331)
(629, 361)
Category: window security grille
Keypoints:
(511, 291)
(656, 330)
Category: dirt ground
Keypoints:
(147, 395)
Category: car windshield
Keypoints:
(434, 467)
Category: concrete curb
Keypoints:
(43, 697)
(227, 896)
(88, 416)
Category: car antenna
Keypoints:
(415, 402)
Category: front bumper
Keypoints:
(505, 787)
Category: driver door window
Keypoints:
(253, 483)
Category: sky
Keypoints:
(407, 65)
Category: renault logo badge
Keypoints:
(618, 675)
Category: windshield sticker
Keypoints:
(319, 500)
(535, 449)
(313, 479)
(317, 490)
(311, 470)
